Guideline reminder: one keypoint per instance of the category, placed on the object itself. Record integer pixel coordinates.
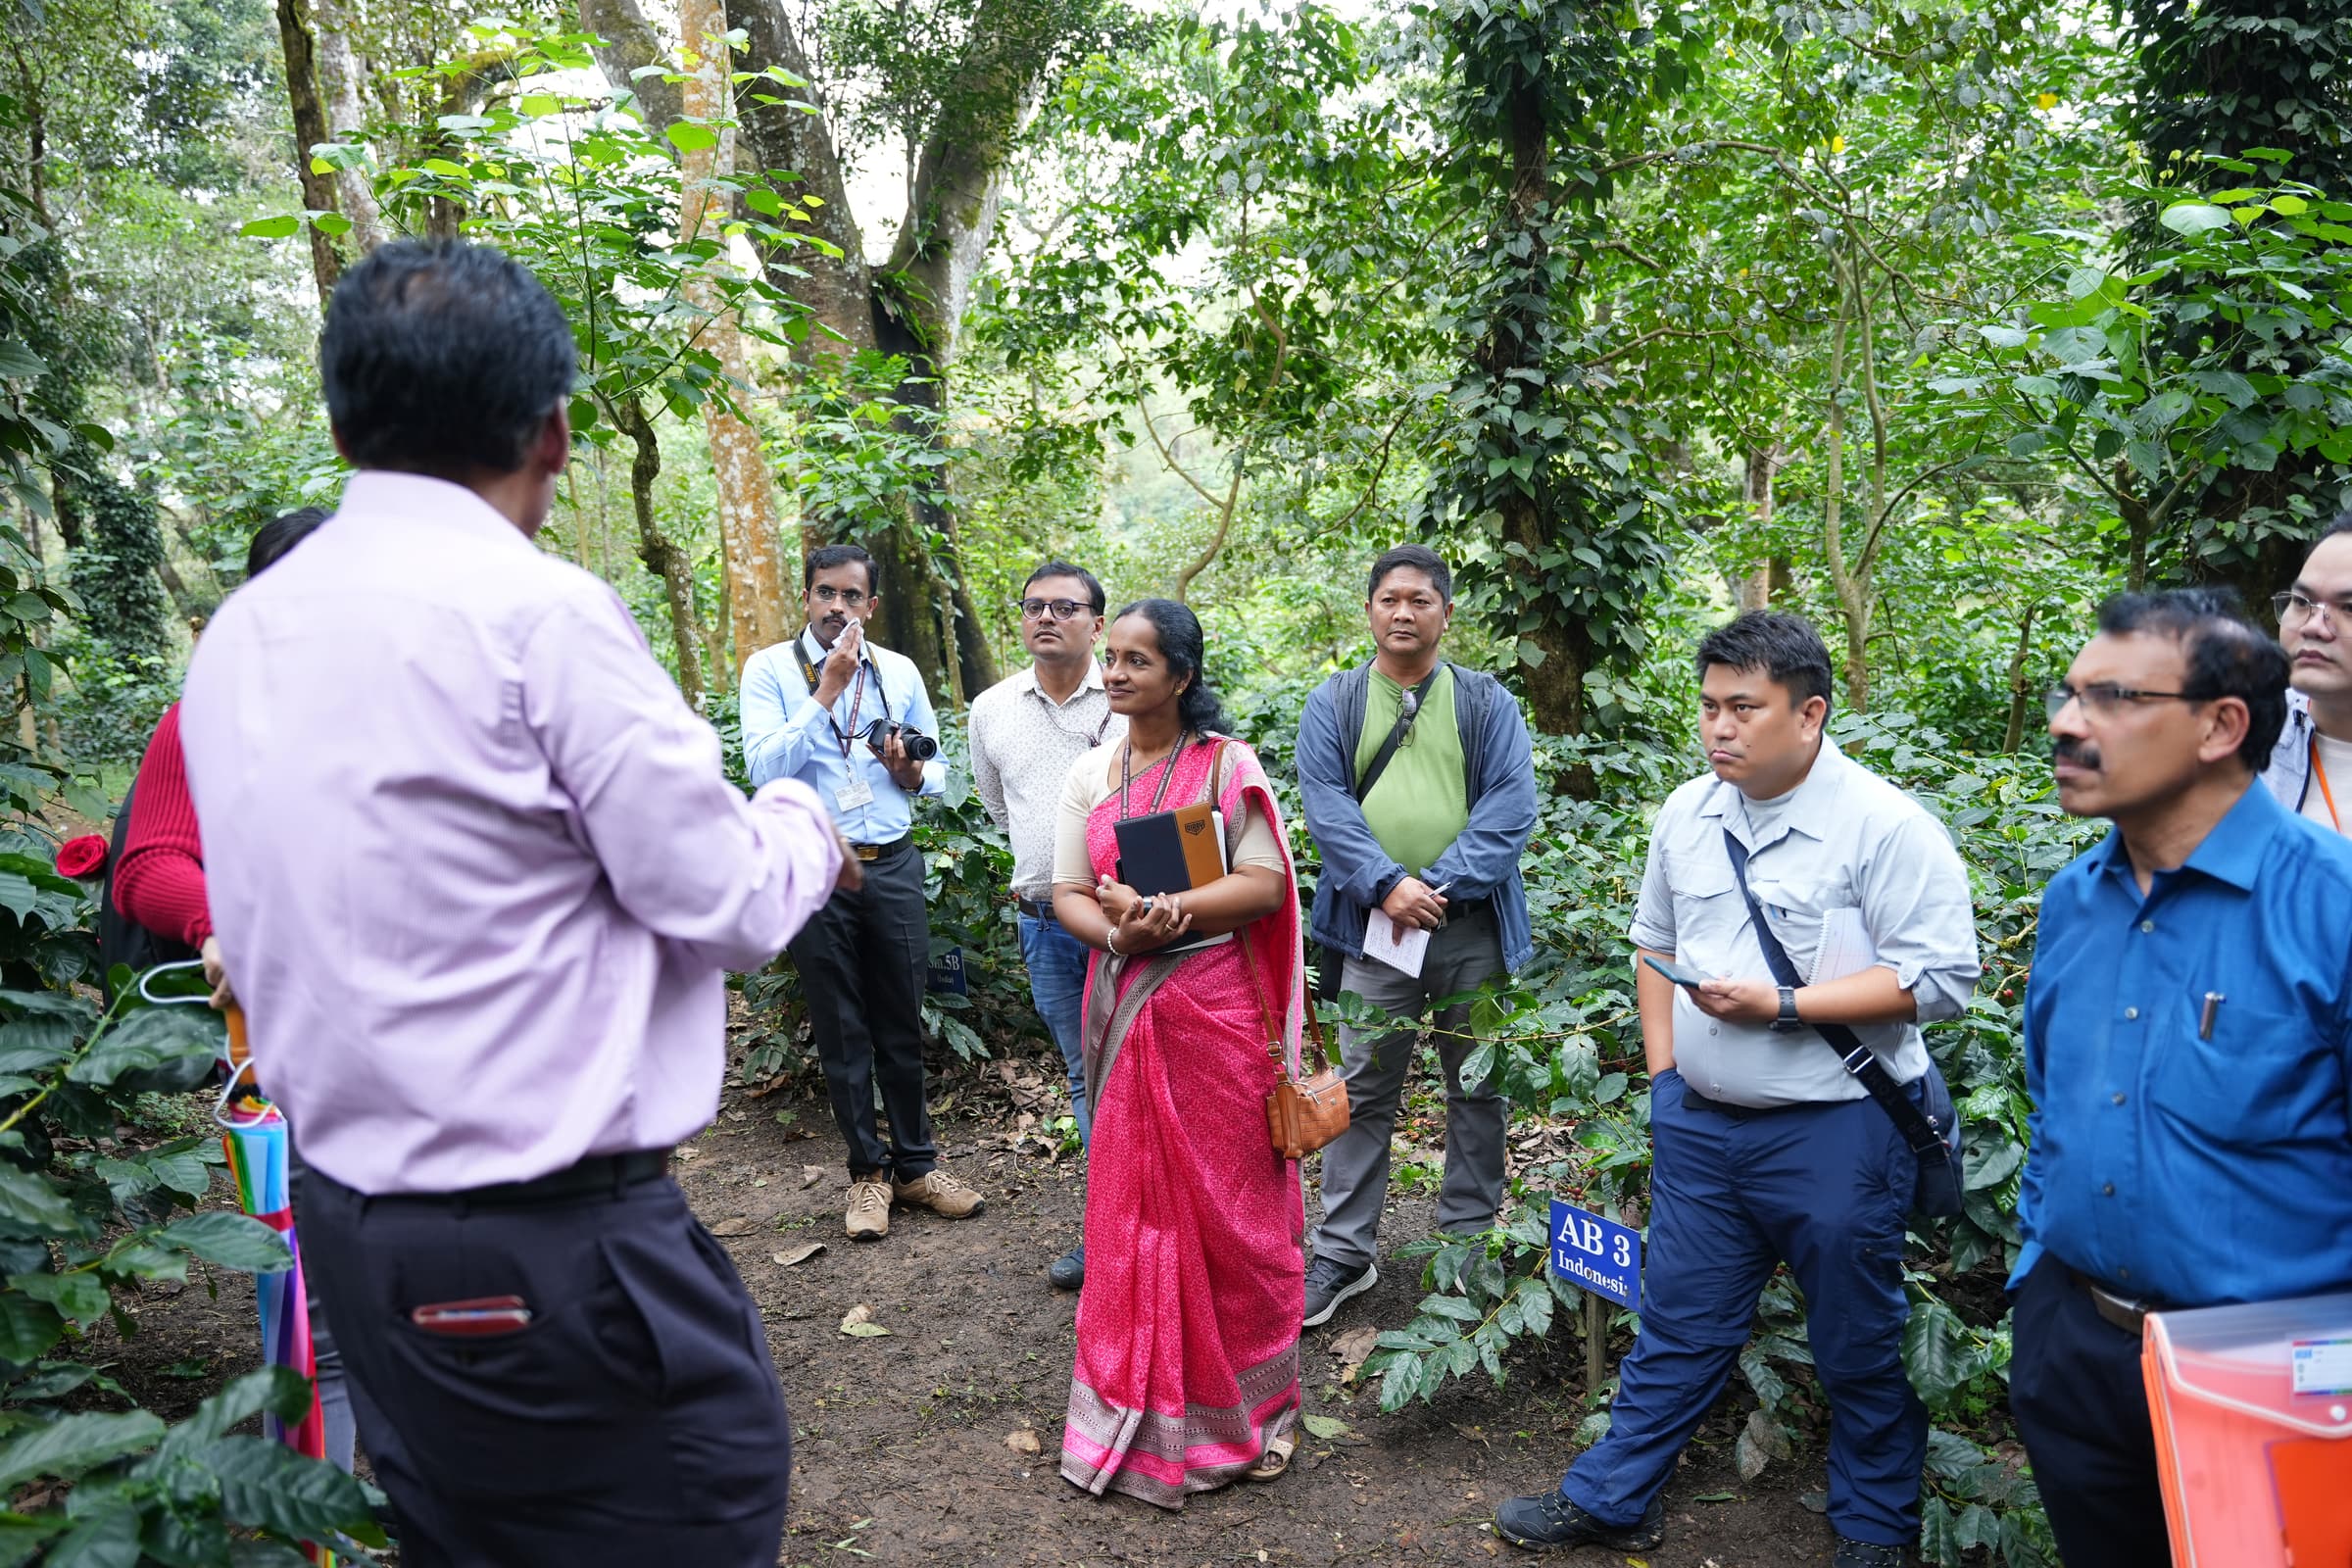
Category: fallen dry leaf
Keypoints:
(1323, 1426)
(1022, 1441)
(860, 1323)
(801, 1253)
(733, 1225)
(1353, 1347)
(810, 1175)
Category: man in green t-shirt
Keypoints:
(1420, 792)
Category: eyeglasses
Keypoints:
(1058, 608)
(2293, 608)
(848, 597)
(2104, 698)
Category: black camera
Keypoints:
(920, 748)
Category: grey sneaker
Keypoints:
(1328, 1283)
(1068, 1272)
(1551, 1520)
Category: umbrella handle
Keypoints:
(228, 1090)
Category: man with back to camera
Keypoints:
(1420, 791)
(1766, 1148)
(2188, 1050)
(475, 867)
(2311, 766)
(1026, 731)
(833, 711)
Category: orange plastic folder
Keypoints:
(2253, 1414)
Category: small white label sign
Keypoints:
(2323, 1366)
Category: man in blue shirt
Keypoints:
(821, 708)
(2186, 1048)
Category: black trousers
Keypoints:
(2079, 1400)
(635, 1420)
(863, 960)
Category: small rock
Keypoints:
(1023, 1440)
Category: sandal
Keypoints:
(1274, 1461)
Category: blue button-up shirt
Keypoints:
(786, 734)
(2197, 1171)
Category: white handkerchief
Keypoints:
(1845, 948)
(1399, 947)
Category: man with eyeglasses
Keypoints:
(2188, 1046)
(833, 711)
(2311, 769)
(1026, 731)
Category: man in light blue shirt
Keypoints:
(853, 723)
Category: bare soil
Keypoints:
(937, 1442)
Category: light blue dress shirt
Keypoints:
(786, 735)
(2188, 1165)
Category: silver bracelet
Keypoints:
(1110, 943)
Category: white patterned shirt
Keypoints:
(1022, 745)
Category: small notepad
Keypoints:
(1400, 947)
(1845, 948)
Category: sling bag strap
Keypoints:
(1909, 1121)
(1407, 711)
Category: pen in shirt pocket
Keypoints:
(2207, 1014)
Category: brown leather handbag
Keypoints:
(1306, 1110)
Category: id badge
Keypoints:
(852, 795)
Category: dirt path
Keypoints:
(900, 1451)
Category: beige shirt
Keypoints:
(1094, 778)
(2334, 764)
(1023, 746)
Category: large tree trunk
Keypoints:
(1512, 349)
(310, 130)
(747, 508)
(346, 118)
(1851, 583)
(629, 42)
(1754, 586)
(660, 555)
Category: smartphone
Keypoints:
(479, 1315)
(1687, 978)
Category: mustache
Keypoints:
(2075, 752)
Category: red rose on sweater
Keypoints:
(82, 857)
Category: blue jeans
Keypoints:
(1824, 1186)
(1057, 963)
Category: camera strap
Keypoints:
(800, 651)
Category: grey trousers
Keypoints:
(1462, 956)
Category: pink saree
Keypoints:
(1188, 1324)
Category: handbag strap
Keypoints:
(1917, 1128)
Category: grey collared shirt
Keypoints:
(1847, 840)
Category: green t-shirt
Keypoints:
(1422, 800)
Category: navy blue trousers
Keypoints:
(635, 1420)
(1825, 1188)
(2076, 1396)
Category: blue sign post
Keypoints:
(1596, 1253)
(1603, 1258)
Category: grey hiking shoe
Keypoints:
(1328, 1283)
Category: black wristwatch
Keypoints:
(1787, 1022)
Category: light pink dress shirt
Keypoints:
(473, 863)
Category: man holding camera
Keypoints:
(853, 723)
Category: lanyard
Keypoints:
(2319, 771)
(1127, 756)
(857, 696)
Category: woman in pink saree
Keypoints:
(1187, 1375)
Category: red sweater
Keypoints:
(160, 883)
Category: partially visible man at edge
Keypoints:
(2311, 766)
(2188, 1050)
(476, 869)
(1025, 731)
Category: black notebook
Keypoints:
(1173, 851)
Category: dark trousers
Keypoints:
(1825, 1188)
(2076, 1396)
(636, 1419)
(864, 958)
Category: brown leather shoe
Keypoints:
(869, 1210)
(940, 1193)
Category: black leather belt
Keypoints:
(1722, 1107)
(597, 1174)
(1039, 909)
(2125, 1312)
(883, 852)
